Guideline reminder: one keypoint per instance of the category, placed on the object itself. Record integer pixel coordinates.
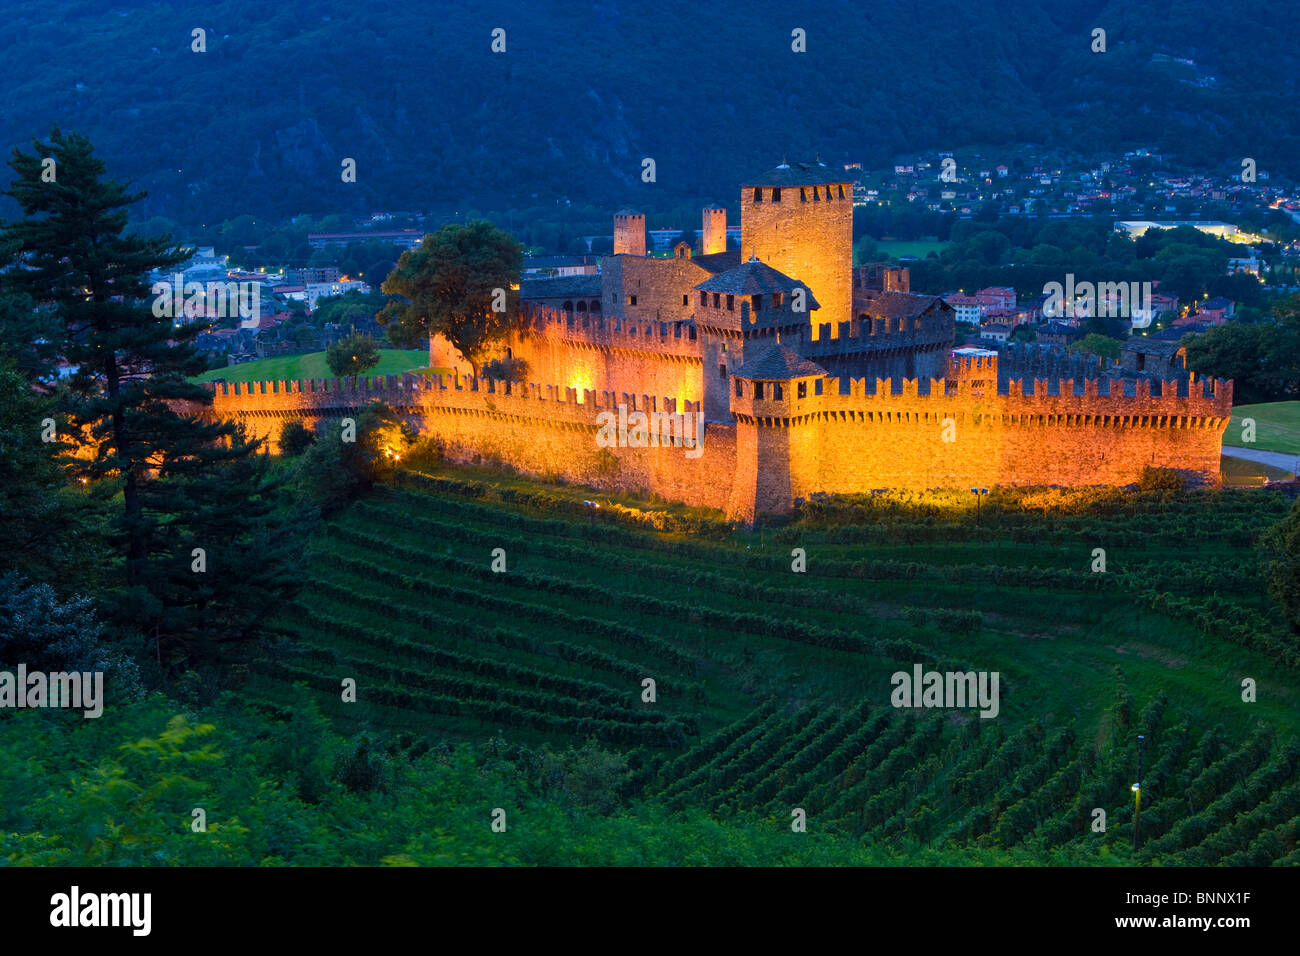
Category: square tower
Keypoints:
(629, 233)
(714, 237)
(798, 218)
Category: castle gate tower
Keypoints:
(798, 218)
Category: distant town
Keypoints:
(288, 308)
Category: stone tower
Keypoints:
(629, 233)
(773, 390)
(714, 236)
(798, 218)
(745, 308)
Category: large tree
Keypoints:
(461, 282)
(186, 481)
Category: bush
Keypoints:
(295, 438)
(334, 471)
(47, 634)
(425, 454)
(364, 766)
(1161, 480)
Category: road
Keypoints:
(1275, 459)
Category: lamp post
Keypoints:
(1137, 796)
(979, 494)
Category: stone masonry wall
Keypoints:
(810, 241)
(779, 451)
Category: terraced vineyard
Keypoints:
(773, 687)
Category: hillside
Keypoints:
(260, 122)
(773, 688)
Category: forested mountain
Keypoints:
(262, 120)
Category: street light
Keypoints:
(979, 493)
(1137, 796)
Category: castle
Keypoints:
(810, 376)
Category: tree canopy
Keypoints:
(462, 283)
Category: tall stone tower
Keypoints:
(629, 233)
(798, 218)
(715, 230)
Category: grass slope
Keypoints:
(1277, 427)
(312, 365)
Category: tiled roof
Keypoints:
(895, 305)
(779, 362)
(716, 262)
(1164, 347)
(561, 287)
(798, 174)
(753, 278)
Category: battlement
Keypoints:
(871, 334)
(1172, 403)
(674, 339)
(417, 393)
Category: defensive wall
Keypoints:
(830, 435)
(548, 432)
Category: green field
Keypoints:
(773, 687)
(1277, 427)
(910, 247)
(312, 365)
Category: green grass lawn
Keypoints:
(1277, 427)
(289, 367)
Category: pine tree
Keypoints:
(187, 481)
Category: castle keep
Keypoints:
(812, 376)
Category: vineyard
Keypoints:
(463, 609)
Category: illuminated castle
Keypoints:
(812, 376)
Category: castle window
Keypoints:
(631, 300)
(740, 388)
(916, 325)
(758, 194)
(686, 299)
(817, 194)
(803, 195)
(803, 390)
(776, 300)
(841, 191)
(758, 303)
(568, 306)
(776, 391)
(717, 300)
(900, 324)
(731, 303)
(758, 389)
(724, 348)
(722, 371)
(704, 300)
(817, 386)
(776, 195)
